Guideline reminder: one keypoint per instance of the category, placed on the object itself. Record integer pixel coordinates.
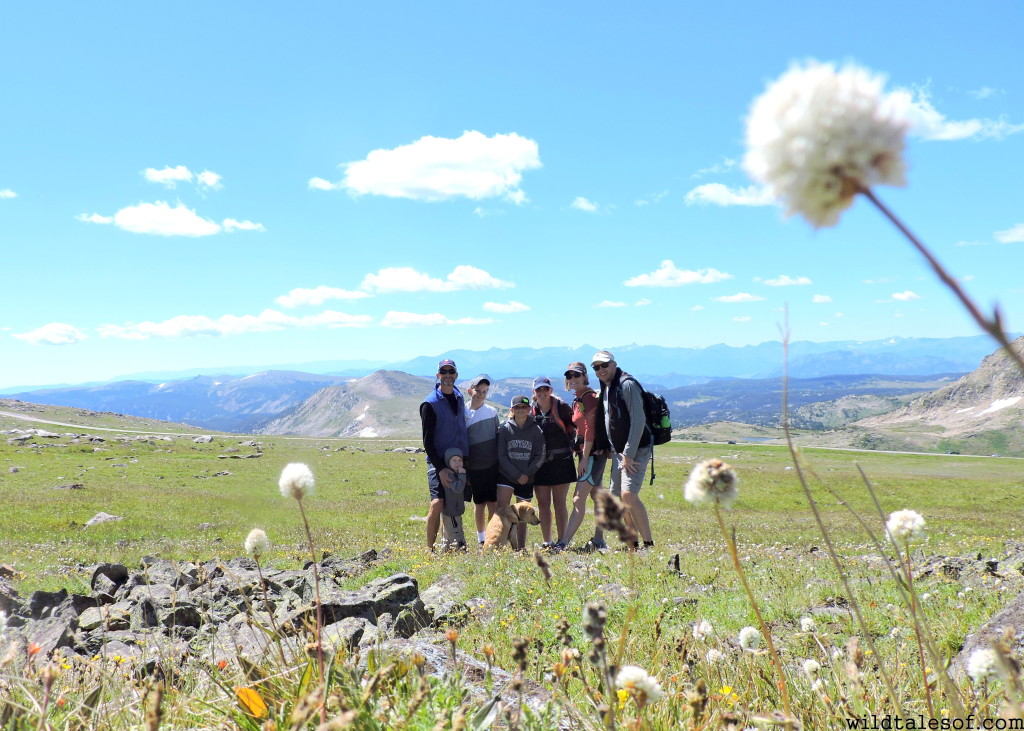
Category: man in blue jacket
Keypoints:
(443, 414)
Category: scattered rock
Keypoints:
(102, 517)
(223, 473)
(381, 493)
(1010, 618)
(70, 486)
(206, 439)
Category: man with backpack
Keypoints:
(622, 399)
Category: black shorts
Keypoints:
(520, 492)
(558, 472)
(484, 484)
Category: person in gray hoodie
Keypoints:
(454, 503)
(520, 455)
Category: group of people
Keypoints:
(544, 446)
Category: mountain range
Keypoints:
(667, 367)
(385, 402)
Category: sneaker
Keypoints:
(558, 547)
(599, 544)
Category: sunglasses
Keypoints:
(599, 366)
(447, 371)
(569, 375)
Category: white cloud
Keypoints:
(696, 308)
(739, 297)
(668, 275)
(642, 302)
(473, 166)
(726, 164)
(722, 195)
(321, 184)
(231, 224)
(407, 279)
(55, 333)
(317, 296)
(209, 179)
(784, 280)
(984, 92)
(823, 324)
(838, 314)
(94, 218)
(7, 193)
(819, 299)
(610, 303)
(1013, 235)
(506, 307)
(192, 325)
(161, 219)
(582, 204)
(655, 198)
(929, 123)
(742, 318)
(414, 319)
(905, 296)
(169, 176)
(516, 196)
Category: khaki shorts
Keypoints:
(622, 480)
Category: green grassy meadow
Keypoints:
(369, 497)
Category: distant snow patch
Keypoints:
(367, 432)
(964, 411)
(360, 417)
(999, 404)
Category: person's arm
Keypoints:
(634, 400)
(538, 452)
(429, 419)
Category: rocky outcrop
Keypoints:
(165, 612)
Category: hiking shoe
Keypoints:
(558, 547)
(599, 544)
(547, 546)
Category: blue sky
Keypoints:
(213, 184)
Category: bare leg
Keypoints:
(543, 493)
(504, 496)
(492, 508)
(579, 506)
(481, 521)
(598, 530)
(433, 521)
(558, 495)
(638, 514)
(521, 535)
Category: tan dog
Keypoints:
(501, 529)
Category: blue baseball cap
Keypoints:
(541, 382)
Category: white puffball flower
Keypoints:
(807, 624)
(981, 665)
(644, 687)
(296, 481)
(712, 481)
(750, 638)
(905, 526)
(714, 656)
(817, 135)
(702, 629)
(811, 668)
(256, 543)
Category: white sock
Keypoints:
(480, 535)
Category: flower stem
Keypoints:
(730, 542)
(917, 630)
(851, 596)
(319, 609)
(273, 622)
(994, 325)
